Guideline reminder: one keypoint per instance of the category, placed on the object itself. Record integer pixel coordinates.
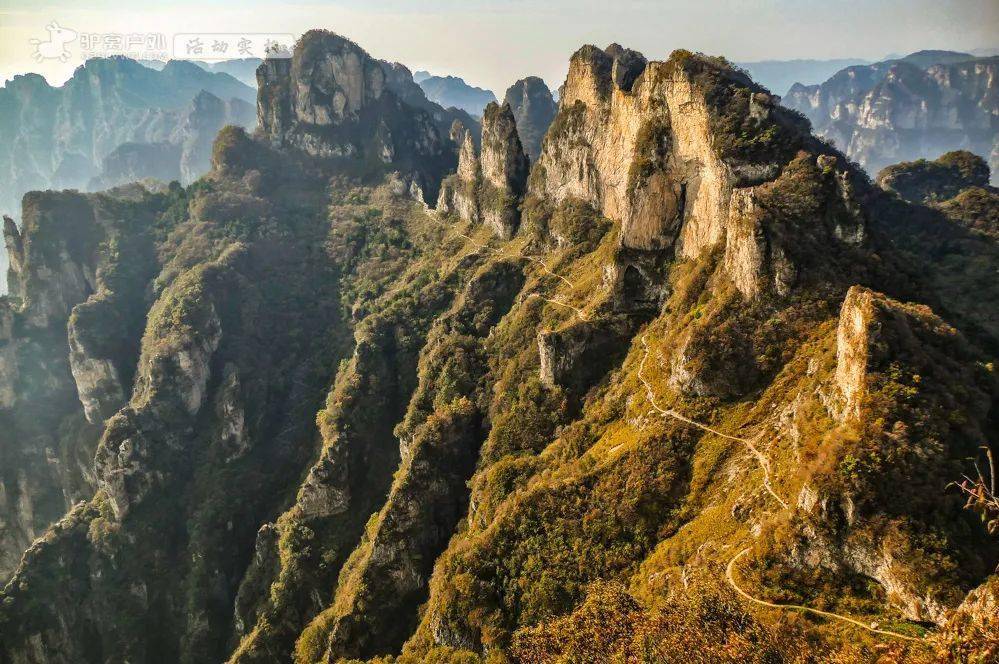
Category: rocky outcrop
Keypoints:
(459, 192)
(333, 101)
(504, 171)
(15, 253)
(856, 338)
(439, 440)
(880, 342)
(534, 109)
(917, 107)
(55, 267)
(644, 144)
(488, 188)
(96, 378)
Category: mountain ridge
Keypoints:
(921, 105)
(690, 338)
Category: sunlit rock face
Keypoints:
(490, 186)
(646, 144)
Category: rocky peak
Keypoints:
(505, 168)
(504, 164)
(628, 65)
(594, 73)
(489, 187)
(680, 153)
(334, 101)
(15, 253)
(327, 83)
(468, 161)
(534, 109)
(457, 132)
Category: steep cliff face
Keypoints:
(533, 109)
(57, 390)
(459, 193)
(906, 109)
(659, 155)
(489, 187)
(332, 100)
(691, 380)
(504, 171)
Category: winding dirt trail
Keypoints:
(730, 577)
(765, 466)
(763, 461)
(761, 458)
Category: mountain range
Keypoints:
(676, 382)
(453, 91)
(919, 106)
(779, 75)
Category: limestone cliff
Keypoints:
(700, 375)
(504, 171)
(459, 193)
(333, 101)
(650, 144)
(488, 188)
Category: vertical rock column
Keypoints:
(505, 168)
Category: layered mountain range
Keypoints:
(91, 128)
(454, 91)
(919, 106)
(679, 383)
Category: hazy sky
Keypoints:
(491, 43)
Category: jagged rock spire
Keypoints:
(489, 187)
(505, 168)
